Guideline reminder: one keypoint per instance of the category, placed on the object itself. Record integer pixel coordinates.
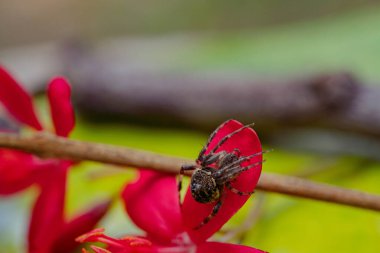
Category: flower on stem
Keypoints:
(153, 205)
(19, 169)
(48, 231)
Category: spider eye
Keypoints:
(196, 187)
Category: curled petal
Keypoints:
(17, 101)
(216, 247)
(78, 226)
(62, 112)
(194, 212)
(153, 205)
(47, 215)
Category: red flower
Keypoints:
(48, 231)
(19, 169)
(152, 203)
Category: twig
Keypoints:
(256, 210)
(47, 145)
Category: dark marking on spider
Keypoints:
(214, 172)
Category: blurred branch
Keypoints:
(105, 87)
(47, 145)
(128, 79)
(205, 100)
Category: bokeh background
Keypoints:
(138, 49)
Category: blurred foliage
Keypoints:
(348, 42)
(40, 20)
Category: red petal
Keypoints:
(194, 212)
(80, 225)
(16, 170)
(17, 101)
(153, 205)
(62, 112)
(19, 170)
(47, 215)
(216, 247)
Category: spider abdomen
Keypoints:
(203, 186)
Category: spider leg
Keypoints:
(233, 172)
(212, 158)
(226, 159)
(237, 152)
(200, 156)
(214, 211)
(182, 172)
(180, 179)
(225, 138)
(246, 158)
(236, 191)
(222, 169)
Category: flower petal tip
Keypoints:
(17, 101)
(62, 112)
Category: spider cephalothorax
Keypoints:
(214, 171)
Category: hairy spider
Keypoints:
(213, 172)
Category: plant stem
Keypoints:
(47, 145)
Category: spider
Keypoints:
(214, 172)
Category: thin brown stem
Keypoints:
(47, 145)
